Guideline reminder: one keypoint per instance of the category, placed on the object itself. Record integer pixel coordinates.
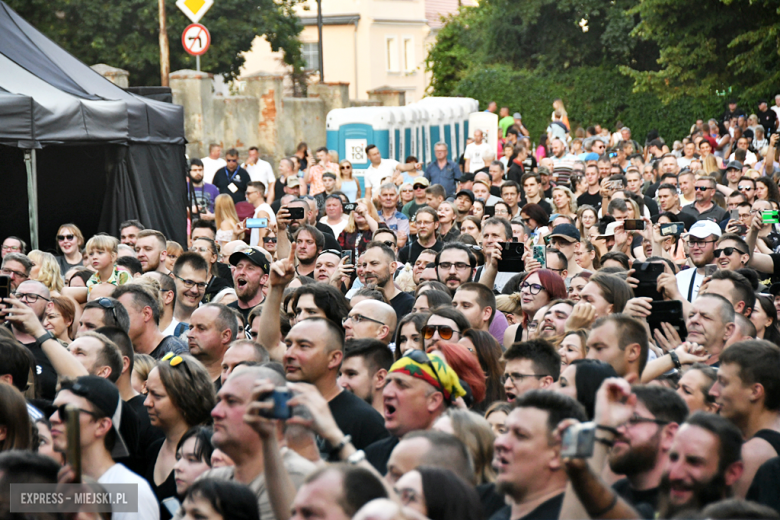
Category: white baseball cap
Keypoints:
(704, 229)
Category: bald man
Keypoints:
(371, 319)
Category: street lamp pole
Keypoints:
(319, 40)
(165, 62)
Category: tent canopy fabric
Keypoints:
(50, 99)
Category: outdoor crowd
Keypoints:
(583, 327)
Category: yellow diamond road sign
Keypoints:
(194, 9)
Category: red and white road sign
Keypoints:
(196, 39)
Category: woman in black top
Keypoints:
(180, 395)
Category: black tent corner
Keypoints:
(103, 155)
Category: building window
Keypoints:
(392, 55)
(409, 65)
(311, 55)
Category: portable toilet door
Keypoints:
(408, 117)
(421, 134)
(447, 124)
(351, 130)
(435, 127)
(397, 133)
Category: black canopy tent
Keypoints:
(79, 149)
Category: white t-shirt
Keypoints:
(148, 508)
(475, 153)
(750, 158)
(374, 176)
(337, 228)
(684, 279)
(171, 328)
(210, 168)
(262, 171)
(255, 237)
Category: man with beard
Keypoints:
(203, 194)
(249, 278)
(128, 232)
(287, 228)
(645, 419)
(427, 222)
(704, 463)
(151, 251)
(379, 265)
(190, 273)
(704, 207)
(527, 459)
(748, 393)
(554, 322)
(364, 369)
(308, 244)
(701, 249)
(213, 328)
(455, 265)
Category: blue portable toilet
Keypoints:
(351, 130)
(434, 130)
(447, 131)
(407, 120)
(421, 138)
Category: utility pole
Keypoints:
(165, 62)
(319, 40)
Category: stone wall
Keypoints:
(260, 116)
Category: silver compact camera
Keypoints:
(578, 441)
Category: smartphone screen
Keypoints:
(710, 269)
(295, 213)
(633, 225)
(254, 223)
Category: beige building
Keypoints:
(366, 43)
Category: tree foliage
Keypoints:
(729, 46)
(124, 33)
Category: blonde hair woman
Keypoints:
(564, 201)
(710, 165)
(587, 217)
(348, 184)
(226, 219)
(70, 240)
(558, 105)
(46, 270)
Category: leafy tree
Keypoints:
(124, 33)
(720, 46)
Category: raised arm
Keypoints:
(282, 273)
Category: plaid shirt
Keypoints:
(357, 240)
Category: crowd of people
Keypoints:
(586, 328)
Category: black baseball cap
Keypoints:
(468, 193)
(104, 395)
(466, 177)
(253, 255)
(567, 231)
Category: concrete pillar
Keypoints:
(193, 91)
(119, 77)
(334, 95)
(388, 96)
(268, 90)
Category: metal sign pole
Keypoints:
(197, 63)
(32, 194)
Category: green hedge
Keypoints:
(591, 95)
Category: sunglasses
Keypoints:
(62, 411)
(65, 237)
(445, 331)
(728, 251)
(418, 356)
(269, 240)
(745, 188)
(231, 160)
(419, 187)
(346, 167)
(702, 188)
(108, 304)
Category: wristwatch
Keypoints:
(44, 337)
(357, 457)
(675, 359)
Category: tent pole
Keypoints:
(32, 194)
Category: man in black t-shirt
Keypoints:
(379, 265)
(641, 450)
(766, 117)
(592, 197)
(315, 349)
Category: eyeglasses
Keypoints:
(63, 412)
(533, 288)
(11, 248)
(445, 331)
(30, 297)
(389, 243)
(175, 361)
(189, 284)
(65, 237)
(458, 265)
(108, 304)
(702, 243)
(745, 188)
(636, 419)
(559, 271)
(407, 191)
(418, 356)
(728, 251)
(11, 272)
(419, 186)
(702, 188)
(231, 160)
(517, 378)
(357, 318)
(200, 250)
